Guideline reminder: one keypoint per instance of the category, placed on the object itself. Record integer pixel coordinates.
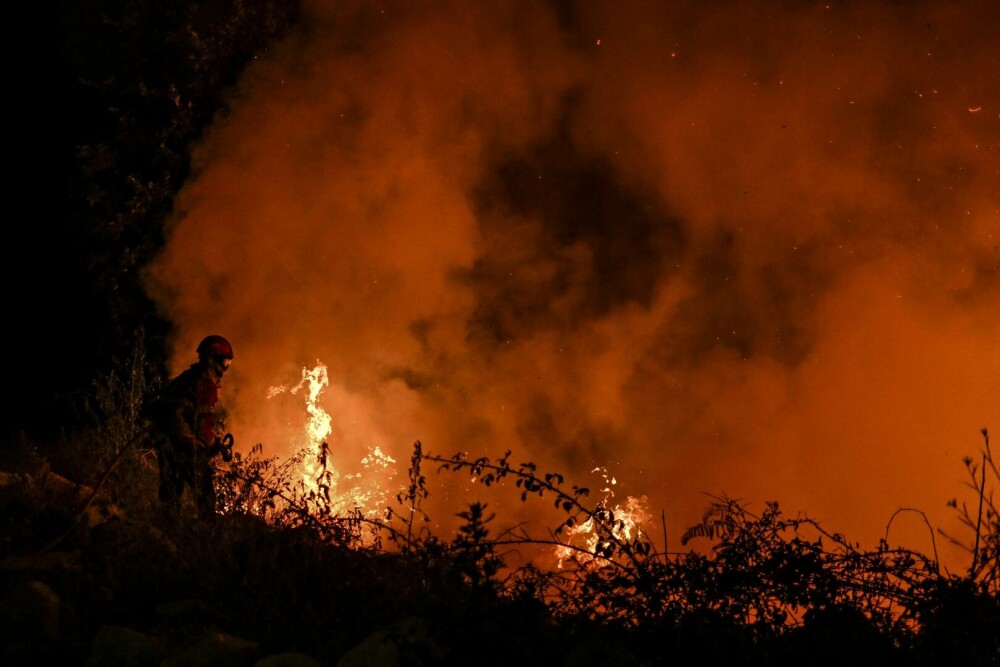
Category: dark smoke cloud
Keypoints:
(742, 247)
(596, 244)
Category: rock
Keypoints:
(216, 649)
(290, 659)
(31, 620)
(187, 615)
(405, 643)
(116, 646)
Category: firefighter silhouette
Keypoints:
(188, 428)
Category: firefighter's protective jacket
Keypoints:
(185, 410)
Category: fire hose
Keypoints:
(226, 447)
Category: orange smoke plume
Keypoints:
(710, 249)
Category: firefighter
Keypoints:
(188, 429)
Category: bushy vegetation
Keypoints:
(284, 563)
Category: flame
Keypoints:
(319, 425)
(365, 491)
(370, 494)
(584, 541)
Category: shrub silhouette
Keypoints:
(284, 562)
(984, 545)
(768, 585)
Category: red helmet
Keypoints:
(215, 347)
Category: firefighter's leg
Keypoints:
(171, 480)
(204, 488)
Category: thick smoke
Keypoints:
(712, 248)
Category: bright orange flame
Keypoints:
(319, 426)
(585, 540)
(366, 493)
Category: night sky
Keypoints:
(733, 247)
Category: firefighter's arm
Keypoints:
(176, 419)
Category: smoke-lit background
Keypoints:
(740, 247)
